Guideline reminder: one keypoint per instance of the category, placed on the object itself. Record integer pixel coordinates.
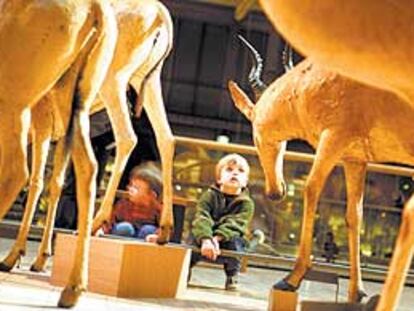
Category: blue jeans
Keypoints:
(129, 230)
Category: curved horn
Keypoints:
(255, 81)
(287, 57)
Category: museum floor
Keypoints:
(23, 290)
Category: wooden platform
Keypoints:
(280, 300)
(309, 305)
(24, 290)
(126, 268)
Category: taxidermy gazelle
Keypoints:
(371, 42)
(344, 121)
(147, 27)
(59, 36)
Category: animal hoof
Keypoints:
(275, 197)
(69, 297)
(39, 264)
(98, 221)
(164, 235)
(285, 286)
(372, 303)
(4, 267)
(37, 267)
(162, 240)
(361, 294)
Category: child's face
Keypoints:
(140, 192)
(233, 178)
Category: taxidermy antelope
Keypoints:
(370, 41)
(144, 41)
(58, 36)
(344, 121)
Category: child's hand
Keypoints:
(151, 238)
(210, 249)
(216, 242)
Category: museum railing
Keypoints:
(387, 187)
(384, 194)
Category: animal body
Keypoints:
(56, 36)
(144, 41)
(369, 41)
(344, 121)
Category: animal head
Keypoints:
(270, 149)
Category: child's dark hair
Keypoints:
(150, 173)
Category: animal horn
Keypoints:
(287, 57)
(255, 81)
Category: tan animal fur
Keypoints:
(39, 41)
(370, 41)
(345, 121)
(144, 41)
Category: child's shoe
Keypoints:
(232, 282)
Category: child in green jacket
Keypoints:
(223, 215)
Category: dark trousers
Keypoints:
(231, 265)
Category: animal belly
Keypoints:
(387, 146)
(358, 151)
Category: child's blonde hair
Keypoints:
(229, 159)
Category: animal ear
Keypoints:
(241, 100)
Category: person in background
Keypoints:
(330, 248)
(222, 217)
(138, 215)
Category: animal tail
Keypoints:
(241, 100)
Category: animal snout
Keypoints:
(275, 195)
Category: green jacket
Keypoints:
(221, 214)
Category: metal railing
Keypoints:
(290, 155)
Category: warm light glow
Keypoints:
(291, 190)
(224, 139)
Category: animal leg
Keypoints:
(60, 163)
(13, 168)
(57, 104)
(154, 106)
(329, 150)
(114, 95)
(85, 170)
(355, 181)
(90, 81)
(41, 127)
(401, 259)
